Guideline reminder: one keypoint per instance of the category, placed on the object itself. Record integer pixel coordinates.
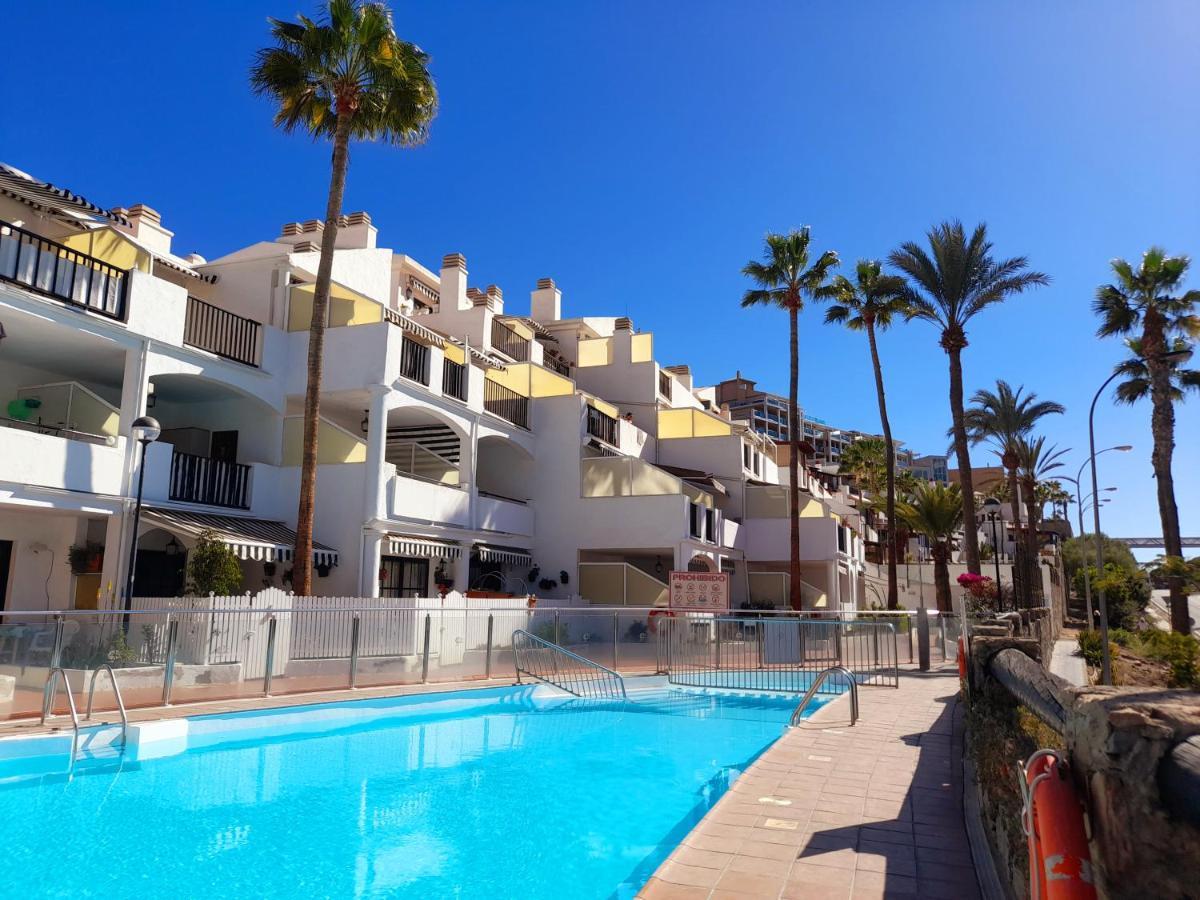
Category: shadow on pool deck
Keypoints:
(833, 811)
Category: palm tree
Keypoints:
(948, 286)
(784, 278)
(345, 77)
(1005, 417)
(936, 511)
(865, 463)
(869, 303)
(1148, 299)
(1035, 460)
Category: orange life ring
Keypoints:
(652, 618)
(1060, 864)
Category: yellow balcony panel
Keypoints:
(455, 354)
(641, 348)
(607, 408)
(688, 423)
(595, 352)
(335, 445)
(112, 247)
(532, 380)
(346, 307)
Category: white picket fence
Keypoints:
(217, 630)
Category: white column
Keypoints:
(115, 550)
(368, 585)
(832, 591)
(374, 499)
(462, 569)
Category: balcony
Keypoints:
(504, 514)
(427, 501)
(505, 340)
(213, 482)
(505, 403)
(58, 271)
(221, 332)
(602, 426)
(455, 378)
(414, 361)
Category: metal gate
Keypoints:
(778, 653)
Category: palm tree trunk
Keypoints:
(1014, 494)
(1033, 577)
(893, 586)
(1162, 427)
(941, 577)
(794, 459)
(963, 454)
(302, 562)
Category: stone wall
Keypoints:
(1115, 739)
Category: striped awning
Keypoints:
(57, 201)
(412, 545)
(420, 332)
(259, 539)
(493, 553)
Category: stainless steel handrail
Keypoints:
(542, 644)
(50, 694)
(816, 685)
(112, 676)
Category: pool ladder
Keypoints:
(846, 674)
(50, 694)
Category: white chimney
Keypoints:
(545, 303)
(454, 281)
(145, 224)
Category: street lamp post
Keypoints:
(1080, 499)
(145, 431)
(992, 505)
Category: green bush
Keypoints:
(1179, 651)
(1127, 593)
(1090, 647)
(213, 568)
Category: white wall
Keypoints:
(39, 575)
(48, 461)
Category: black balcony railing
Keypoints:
(216, 482)
(58, 271)
(559, 365)
(602, 426)
(454, 380)
(506, 404)
(414, 361)
(219, 331)
(508, 342)
(664, 384)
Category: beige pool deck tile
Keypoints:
(863, 812)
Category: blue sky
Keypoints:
(637, 152)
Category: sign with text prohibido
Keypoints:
(700, 591)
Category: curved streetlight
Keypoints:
(145, 430)
(1105, 657)
(1079, 503)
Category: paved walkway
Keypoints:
(831, 811)
(1066, 663)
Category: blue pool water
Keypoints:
(482, 794)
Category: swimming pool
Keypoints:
(502, 792)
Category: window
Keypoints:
(454, 380)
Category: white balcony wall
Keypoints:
(767, 539)
(44, 460)
(424, 501)
(494, 514)
(157, 308)
(355, 355)
(731, 534)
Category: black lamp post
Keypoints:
(993, 515)
(145, 431)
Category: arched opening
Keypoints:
(422, 445)
(504, 470)
(701, 563)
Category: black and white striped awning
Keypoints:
(259, 539)
(420, 332)
(493, 553)
(56, 201)
(412, 545)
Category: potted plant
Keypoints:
(86, 558)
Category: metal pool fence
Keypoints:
(778, 653)
(178, 650)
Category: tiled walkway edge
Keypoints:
(832, 811)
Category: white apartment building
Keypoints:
(461, 446)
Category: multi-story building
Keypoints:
(767, 414)
(461, 446)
